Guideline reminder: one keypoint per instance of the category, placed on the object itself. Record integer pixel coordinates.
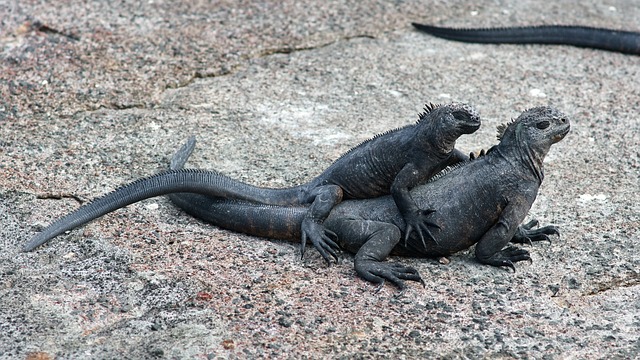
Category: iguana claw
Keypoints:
(507, 257)
(526, 233)
(509, 263)
(378, 272)
(418, 222)
(477, 155)
(321, 238)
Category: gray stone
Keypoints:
(94, 95)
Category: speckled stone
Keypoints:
(93, 95)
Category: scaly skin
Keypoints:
(390, 163)
(393, 162)
(626, 42)
(482, 202)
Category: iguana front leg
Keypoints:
(491, 248)
(372, 241)
(458, 156)
(322, 199)
(415, 219)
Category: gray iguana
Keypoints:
(481, 201)
(392, 162)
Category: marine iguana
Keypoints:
(393, 162)
(481, 201)
(626, 42)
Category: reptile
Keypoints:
(392, 162)
(626, 42)
(481, 201)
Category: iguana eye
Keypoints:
(543, 124)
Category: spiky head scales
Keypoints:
(527, 116)
(454, 107)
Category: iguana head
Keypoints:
(540, 127)
(533, 133)
(443, 124)
(459, 117)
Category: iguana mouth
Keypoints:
(472, 126)
(469, 122)
(561, 134)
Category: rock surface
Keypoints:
(95, 95)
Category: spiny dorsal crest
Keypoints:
(374, 137)
(503, 127)
(428, 108)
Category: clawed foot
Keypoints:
(322, 239)
(418, 221)
(508, 256)
(526, 233)
(379, 272)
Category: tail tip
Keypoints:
(34, 243)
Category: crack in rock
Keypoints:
(60, 196)
(228, 70)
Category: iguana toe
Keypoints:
(477, 155)
(526, 233)
(321, 239)
(507, 257)
(420, 223)
(530, 225)
(379, 272)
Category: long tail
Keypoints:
(276, 222)
(236, 190)
(192, 181)
(269, 221)
(626, 42)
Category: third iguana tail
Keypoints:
(626, 42)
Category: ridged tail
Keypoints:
(276, 222)
(626, 42)
(236, 190)
(209, 183)
(193, 181)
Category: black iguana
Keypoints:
(481, 201)
(393, 162)
(626, 42)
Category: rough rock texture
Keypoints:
(95, 95)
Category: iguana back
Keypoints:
(389, 163)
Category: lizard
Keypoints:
(626, 42)
(481, 201)
(392, 162)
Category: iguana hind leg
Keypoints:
(372, 241)
(322, 199)
(526, 234)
